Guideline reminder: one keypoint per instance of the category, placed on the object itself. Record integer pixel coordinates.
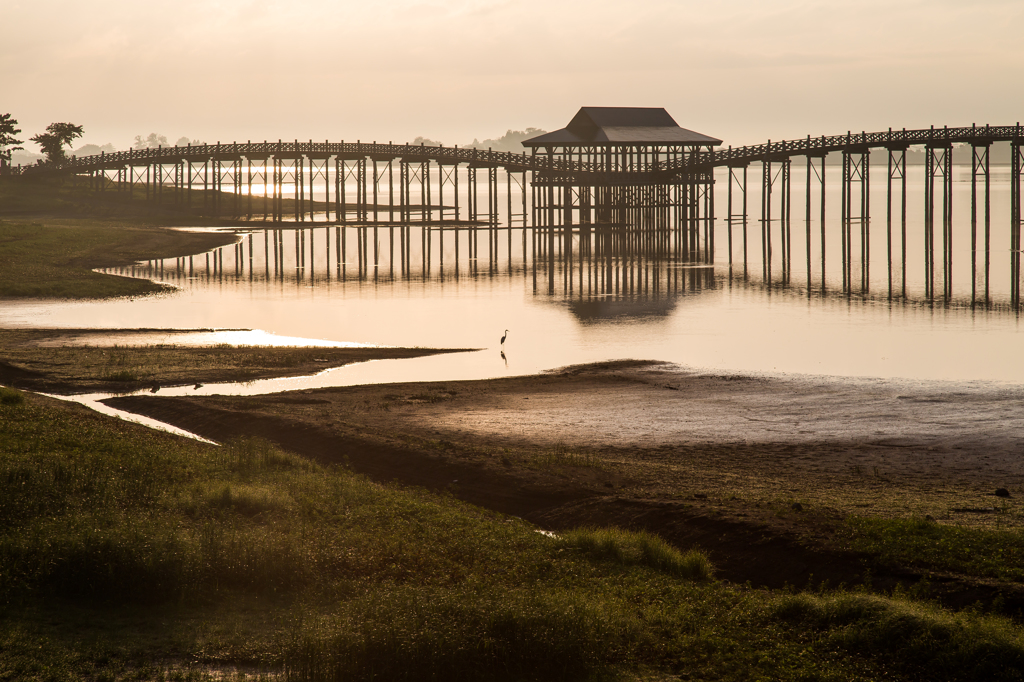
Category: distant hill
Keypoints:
(91, 149)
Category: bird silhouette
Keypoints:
(504, 336)
(504, 358)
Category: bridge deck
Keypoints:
(690, 162)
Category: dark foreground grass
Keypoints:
(922, 543)
(132, 554)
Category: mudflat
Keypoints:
(759, 471)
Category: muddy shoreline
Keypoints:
(704, 460)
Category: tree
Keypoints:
(150, 142)
(7, 140)
(56, 137)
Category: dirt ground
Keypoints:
(758, 471)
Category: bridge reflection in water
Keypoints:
(328, 256)
(601, 276)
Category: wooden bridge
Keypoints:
(652, 188)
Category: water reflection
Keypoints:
(597, 292)
(597, 272)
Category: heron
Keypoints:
(503, 337)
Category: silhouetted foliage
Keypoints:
(7, 139)
(150, 141)
(56, 137)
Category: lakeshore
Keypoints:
(343, 531)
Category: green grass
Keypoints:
(55, 261)
(54, 232)
(132, 554)
(926, 544)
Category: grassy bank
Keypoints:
(54, 232)
(40, 260)
(24, 363)
(132, 554)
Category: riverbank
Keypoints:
(134, 554)
(341, 545)
(755, 471)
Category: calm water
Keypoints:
(434, 288)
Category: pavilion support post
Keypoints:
(785, 216)
(248, 192)
(363, 211)
(471, 194)
(822, 202)
(979, 166)
(766, 216)
(807, 215)
(429, 212)
(296, 186)
(1016, 162)
(865, 220)
(391, 190)
(845, 223)
(897, 160)
(732, 174)
(710, 177)
(744, 220)
(403, 184)
(376, 180)
(929, 221)
(338, 183)
(312, 184)
(508, 196)
(947, 222)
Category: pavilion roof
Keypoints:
(621, 126)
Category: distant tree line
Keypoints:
(59, 136)
(52, 142)
(154, 140)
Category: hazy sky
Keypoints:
(740, 70)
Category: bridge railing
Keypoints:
(890, 139)
(690, 162)
(281, 149)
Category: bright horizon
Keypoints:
(454, 71)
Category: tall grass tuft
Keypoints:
(413, 634)
(10, 396)
(632, 548)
